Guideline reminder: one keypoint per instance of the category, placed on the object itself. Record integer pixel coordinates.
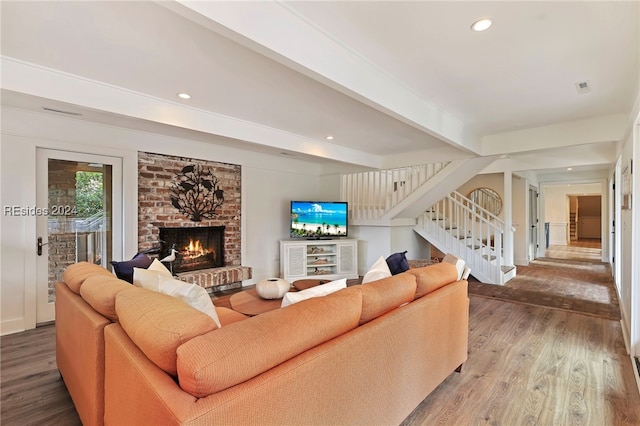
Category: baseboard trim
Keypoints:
(521, 262)
(625, 334)
(635, 364)
(12, 326)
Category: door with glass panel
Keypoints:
(78, 217)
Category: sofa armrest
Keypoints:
(80, 353)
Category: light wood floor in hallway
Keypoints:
(590, 249)
(531, 365)
(527, 366)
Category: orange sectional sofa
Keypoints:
(368, 354)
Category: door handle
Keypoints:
(40, 244)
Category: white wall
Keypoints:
(373, 242)
(628, 282)
(268, 184)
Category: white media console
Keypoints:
(328, 259)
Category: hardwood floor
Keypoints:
(32, 391)
(527, 366)
(578, 249)
(536, 366)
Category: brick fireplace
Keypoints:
(198, 247)
(160, 221)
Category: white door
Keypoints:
(533, 222)
(79, 217)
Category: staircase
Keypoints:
(459, 226)
(453, 223)
(573, 227)
(374, 194)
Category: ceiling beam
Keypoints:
(277, 31)
(35, 80)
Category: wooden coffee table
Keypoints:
(249, 303)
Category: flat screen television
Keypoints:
(319, 219)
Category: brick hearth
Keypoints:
(217, 279)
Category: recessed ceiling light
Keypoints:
(569, 168)
(481, 25)
(184, 95)
(329, 138)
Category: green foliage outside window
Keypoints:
(89, 193)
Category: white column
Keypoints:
(508, 218)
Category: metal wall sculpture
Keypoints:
(196, 193)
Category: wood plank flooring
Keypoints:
(577, 249)
(32, 391)
(535, 366)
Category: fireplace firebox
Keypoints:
(198, 247)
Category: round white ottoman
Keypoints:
(272, 288)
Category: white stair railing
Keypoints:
(91, 241)
(372, 194)
(457, 225)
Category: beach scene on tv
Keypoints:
(318, 219)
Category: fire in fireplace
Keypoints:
(198, 247)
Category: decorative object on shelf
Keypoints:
(488, 199)
(272, 288)
(196, 193)
(171, 257)
(154, 250)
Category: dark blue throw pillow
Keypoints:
(124, 270)
(398, 263)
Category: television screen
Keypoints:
(318, 219)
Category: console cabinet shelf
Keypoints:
(328, 259)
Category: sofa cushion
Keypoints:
(75, 274)
(378, 270)
(320, 290)
(384, 295)
(398, 262)
(191, 294)
(158, 324)
(432, 277)
(216, 361)
(124, 269)
(100, 291)
(229, 316)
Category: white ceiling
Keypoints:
(393, 82)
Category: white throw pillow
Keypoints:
(148, 278)
(320, 290)
(459, 263)
(192, 294)
(378, 271)
(466, 273)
